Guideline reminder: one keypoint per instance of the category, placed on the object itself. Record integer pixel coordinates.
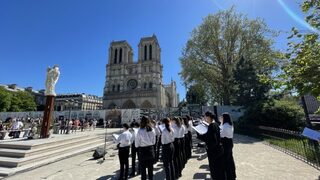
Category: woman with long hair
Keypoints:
(227, 143)
(145, 141)
(177, 160)
(167, 139)
(188, 137)
(214, 147)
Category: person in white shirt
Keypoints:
(124, 142)
(177, 160)
(226, 134)
(145, 141)
(134, 150)
(182, 133)
(167, 139)
(188, 137)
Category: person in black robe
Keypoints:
(214, 147)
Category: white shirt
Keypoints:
(125, 139)
(157, 130)
(17, 125)
(182, 131)
(134, 133)
(167, 137)
(176, 131)
(185, 129)
(190, 126)
(145, 138)
(226, 130)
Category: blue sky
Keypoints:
(75, 34)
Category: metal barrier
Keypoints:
(290, 142)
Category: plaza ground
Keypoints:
(254, 161)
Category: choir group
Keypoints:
(174, 136)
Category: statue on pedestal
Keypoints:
(51, 80)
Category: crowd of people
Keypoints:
(66, 126)
(174, 137)
(13, 127)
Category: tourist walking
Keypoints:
(227, 143)
(124, 142)
(214, 147)
(145, 141)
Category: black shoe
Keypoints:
(132, 175)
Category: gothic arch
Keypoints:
(129, 104)
(146, 104)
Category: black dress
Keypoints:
(214, 151)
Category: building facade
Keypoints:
(64, 102)
(138, 84)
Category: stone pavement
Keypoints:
(254, 161)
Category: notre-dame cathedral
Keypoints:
(131, 84)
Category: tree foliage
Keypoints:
(211, 54)
(302, 66)
(249, 90)
(284, 113)
(16, 101)
(197, 95)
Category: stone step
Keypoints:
(19, 153)
(15, 162)
(39, 143)
(10, 171)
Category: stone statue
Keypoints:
(52, 78)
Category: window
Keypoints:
(115, 56)
(145, 86)
(150, 85)
(150, 51)
(118, 87)
(120, 55)
(145, 52)
(113, 88)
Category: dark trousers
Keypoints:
(189, 145)
(124, 162)
(158, 148)
(183, 151)
(146, 160)
(177, 158)
(167, 158)
(134, 153)
(230, 168)
(216, 166)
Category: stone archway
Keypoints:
(129, 104)
(146, 104)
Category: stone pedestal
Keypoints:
(48, 113)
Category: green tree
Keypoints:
(249, 90)
(302, 62)
(196, 95)
(16, 101)
(5, 100)
(215, 47)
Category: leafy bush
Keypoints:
(285, 114)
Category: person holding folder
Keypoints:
(145, 141)
(214, 147)
(124, 142)
(167, 139)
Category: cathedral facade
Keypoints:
(131, 84)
